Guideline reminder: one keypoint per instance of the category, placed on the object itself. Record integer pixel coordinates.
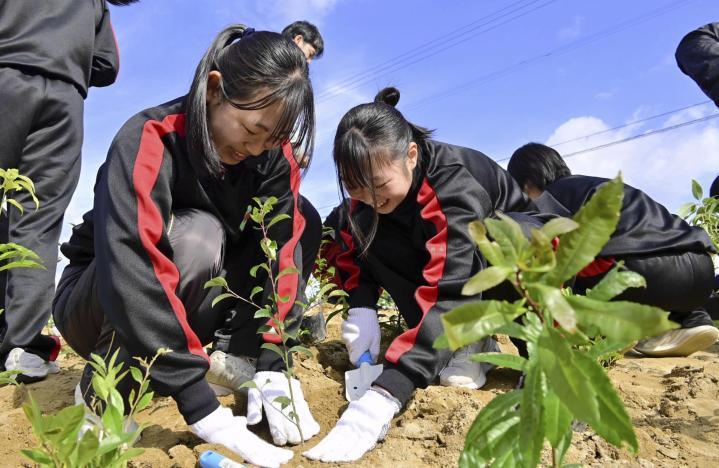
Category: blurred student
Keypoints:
(698, 57)
(51, 52)
(673, 257)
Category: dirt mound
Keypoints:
(674, 403)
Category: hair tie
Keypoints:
(247, 32)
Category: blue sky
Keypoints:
(490, 74)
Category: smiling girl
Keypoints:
(169, 214)
(411, 201)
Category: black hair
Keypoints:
(714, 189)
(368, 136)
(122, 2)
(537, 164)
(257, 70)
(309, 33)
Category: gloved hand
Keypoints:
(362, 424)
(221, 427)
(360, 332)
(271, 385)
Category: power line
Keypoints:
(633, 122)
(433, 43)
(553, 52)
(635, 137)
(356, 83)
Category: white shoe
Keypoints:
(227, 372)
(462, 372)
(679, 342)
(93, 420)
(32, 366)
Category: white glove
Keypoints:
(362, 424)
(360, 333)
(221, 427)
(271, 385)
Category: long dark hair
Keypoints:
(259, 63)
(368, 136)
(537, 164)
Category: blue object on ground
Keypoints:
(211, 459)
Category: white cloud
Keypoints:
(662, 165)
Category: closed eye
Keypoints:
(248, 130)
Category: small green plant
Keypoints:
(702, 212)
(71, 438)
(321, 287)
(13, 255)
(8, 377)
(287, 330)
(563, 380)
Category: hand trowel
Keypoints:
(359, 380)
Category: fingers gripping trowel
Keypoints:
(359, 380)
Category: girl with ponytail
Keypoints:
(170, 212)
(410, 201)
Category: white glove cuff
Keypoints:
(216, 421)
(362, 311)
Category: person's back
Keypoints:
(60, 39)
(645, 226)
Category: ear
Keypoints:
(299, 40)
(214, 78)
(412, 155)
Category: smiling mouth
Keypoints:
(239, 156)
(383, 204)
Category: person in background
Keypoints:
(307, 37)
(698, 57)
(51, 52)
(169, 214)
(673, 257)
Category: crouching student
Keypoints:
(673, 257)
(168, 214)
(411, 201)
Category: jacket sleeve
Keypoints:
(105, 54)
(450, 200)
(698, 57)
(281, 179)
(136, 276)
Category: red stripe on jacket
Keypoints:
(345, 260)
(426, 296)
(288, 284)
(150, 224)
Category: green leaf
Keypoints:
(256, 290)
(440, 343)
(619, 320)
(490, 250)
(253, 270)
(564, 378)
(144, 401)
(136, 375)
(686, 209)
(697, 191)
(87, 448)
(558, 226)
(221, 297)
(486, 279)
(283, 401)
(555, 302)
(248, 384)
(218, 281)
(614, 283)
(531, 435)
(15, 204)
(263, 313)
(613, 424)
(471, 322)
(507, 233)
(288, 271)
(302, 350)
(38, 456)
(511, 361)
(66, 423)
(274, 348)
(597, 220)
(557, 419)
(277, 219)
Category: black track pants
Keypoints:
(41, 136)
(677, 282)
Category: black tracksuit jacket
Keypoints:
(60, 40)
(698, 56)
(645, 227)
(423, 255)
(148, 174)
